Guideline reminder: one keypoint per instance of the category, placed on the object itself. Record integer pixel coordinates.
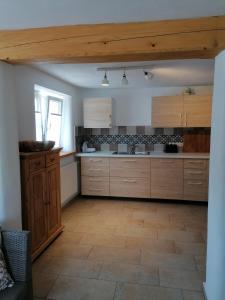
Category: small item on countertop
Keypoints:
(90, 150)
(171, 148)
(84, 146)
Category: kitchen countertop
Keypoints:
(151, 155)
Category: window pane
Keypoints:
(37, 103)
(54, 128)
(38, 126)
(55, 107)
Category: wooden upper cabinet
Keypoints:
(97, 112)
(181, 111)
(197, 111)
(167, 111)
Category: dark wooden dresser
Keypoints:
(41, 203)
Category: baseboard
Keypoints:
(204, 291)
(67, 201)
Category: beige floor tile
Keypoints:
(136, 231)
(108, 254)
(73, 267)
(153, 245)
(145, 292)
(189, 295)
(183, 279)
(105, 240)
(181, 236)
(68, 288)
(129, 273)
(69, 250)
(42, 283)
(190, 248)
(178, 261)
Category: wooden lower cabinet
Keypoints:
(166, 178)
(130, 187)
(196, 177)
(160, 178)
(41, 204)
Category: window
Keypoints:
(54, 120)
(48, 116)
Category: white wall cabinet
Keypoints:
(97, 112)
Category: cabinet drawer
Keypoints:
(96, 186)
(196, 174)
(195, 189)
(130, 167)
(201, 164)
(96, 166)
(130, 187)
(166, 163)
(36, 164)
(51, 159)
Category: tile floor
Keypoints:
(125, 250)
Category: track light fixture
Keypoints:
(105, 81)
(148, 75)
(124, 80)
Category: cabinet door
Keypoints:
(37, 209)
(167, 178)
(167, 111)
(97, 112)
(197, 111)
(53, 195)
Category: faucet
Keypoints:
(132, 149)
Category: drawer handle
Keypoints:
(194, 162)
(95, 180)
(96, 190)
(95, 160)
(195, 183)
(167, 161)
(95, 170)
(130, 160)
(129, 181)
(195, 172)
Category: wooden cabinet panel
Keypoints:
(37, 207)
(196, 174)
(51, 159)
(167, 178)
(97, 112)
(130, 167)
(167, 111)
(41, 204)
(53, 198)
(96, 166)
(197, 111)
(37, 163)
(130, 187)
(96, 186)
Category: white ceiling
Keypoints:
(39, 13)
(166, 73)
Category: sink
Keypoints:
(129, 153)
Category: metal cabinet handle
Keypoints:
(129, 181)
(195, 183)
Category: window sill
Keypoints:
(64, 154)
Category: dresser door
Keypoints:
(37, 208)
(53, 195)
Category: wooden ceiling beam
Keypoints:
(155, 40)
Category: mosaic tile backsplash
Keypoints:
(120, 138)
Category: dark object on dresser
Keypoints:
(16, 246)
(35, 146)
(171, 148)
(41, 201)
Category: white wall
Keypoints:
(26, 77)
(215, 275)
(132, 107)
(10, 202)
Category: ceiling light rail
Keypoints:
(126, 68)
